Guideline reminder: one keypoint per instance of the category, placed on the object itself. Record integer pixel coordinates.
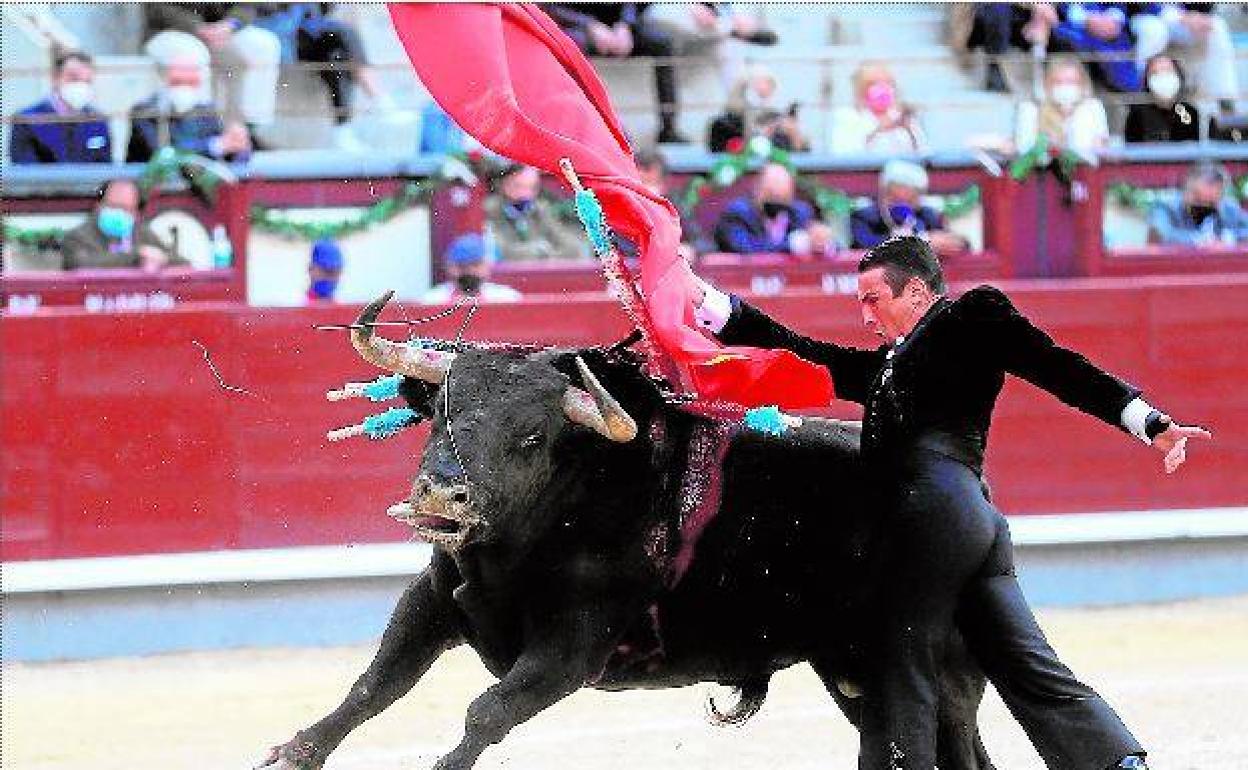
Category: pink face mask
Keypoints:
(879, 97)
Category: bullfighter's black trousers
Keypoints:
(948, 560)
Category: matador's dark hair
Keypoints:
(904, 257)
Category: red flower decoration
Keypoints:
(735, 145)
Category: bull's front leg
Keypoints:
(422, 627)
(570, 652)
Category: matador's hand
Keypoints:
(1173, 442)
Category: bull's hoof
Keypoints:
(849, 688)
(296, 755)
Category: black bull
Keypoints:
(554, 551)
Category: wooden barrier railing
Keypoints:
(1037, 228)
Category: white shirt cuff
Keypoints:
(714, 311)
(1133, 416)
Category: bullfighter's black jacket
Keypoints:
(948, 556)
(938, 386)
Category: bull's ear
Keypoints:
(419, 395)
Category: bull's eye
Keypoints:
(531, 441)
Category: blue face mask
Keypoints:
(115, 223)
(323, 288)
(901, 214)
(521, 207)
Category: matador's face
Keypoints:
(887, 314)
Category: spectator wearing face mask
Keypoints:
(324, 271)
(1193, 26)
(523, 225)
(469, 261)
(1167, 118)
(772, 220)
(879, 121)
(1070, 117)
(899, 211)
(176, 116)
(1202, 214)
(244, 57)
(114, 236)
(63, 128)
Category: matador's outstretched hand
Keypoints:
(1173, 443)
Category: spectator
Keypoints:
(654, 176)
(879, 121)
(308, 34)
(1191, 25)
(63, 128)
(998, 26)
(899, 211)
(618, 29)
(114, 236)
(523, 225)
(176, 116)
(469, 261)
(1167, 118)
(244, 57)
(1101, 29)
(751, 94)
(709, 30)
(750, 112)
(772, 220)
(1202, 214)
(1070, 116)
(324, 271)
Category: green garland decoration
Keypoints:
(279, 223)
(40, 239)
(1038, 159)
(1144, 198)
(204, 175)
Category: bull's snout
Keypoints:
(427, 493)
(439, 513)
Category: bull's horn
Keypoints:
(597, 409)
(421, 363)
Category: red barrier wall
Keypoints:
(117, 438)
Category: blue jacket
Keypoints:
(741, 229)
(1170, 222)
(78, 141)
(193, 132)
(868, 228)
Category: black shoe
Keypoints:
(671, 136)
(760, 36)
(994, 79)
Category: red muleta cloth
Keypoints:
(511, 78)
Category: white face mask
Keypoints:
(76, 94)
(1067, 95)
(183, 98)
(1165, 85)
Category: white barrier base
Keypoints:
(333, 595)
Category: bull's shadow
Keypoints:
(564, 498)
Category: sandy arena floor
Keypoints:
(1178, 674)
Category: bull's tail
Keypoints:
(750, 694)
